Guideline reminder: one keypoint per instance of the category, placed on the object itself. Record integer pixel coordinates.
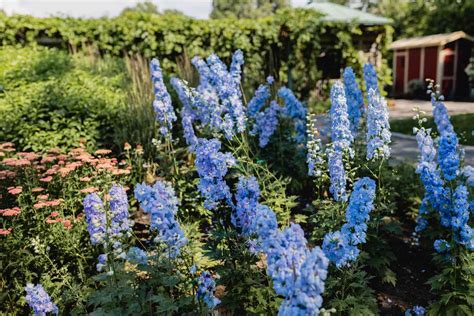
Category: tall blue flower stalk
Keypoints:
(247, 195)
(228, 87)
(217, 101)
(39, 301)
(444, 192)
(341, 246)
(294, 110)
(212, 166)
(341, 135)
(187, 115)
(298, 273)
(378, 127)
(266, 123)
(315, 154)
(206, 289)
(370, 77)
(337, 173)
(96, 218)
(162, 104)
(161, 203)
(259, 99)
(355, 100)
(108, 227)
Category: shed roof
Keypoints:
(430, 40)
(338, 13)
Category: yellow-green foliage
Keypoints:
(289, 41)
(51, 99)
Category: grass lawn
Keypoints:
(463, 125)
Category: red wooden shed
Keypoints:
(441, 57)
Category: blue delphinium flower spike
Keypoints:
(39, 301)
(378, 127)
(162, 104)
(206, 289)
(355, 100)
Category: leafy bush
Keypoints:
(289, 42)
(53, 100)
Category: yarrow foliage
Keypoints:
(378, 127)
(162, 104)
(355, 100)
(161, 203)
(212, 166)
(39, 301)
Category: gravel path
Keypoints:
(405, 148)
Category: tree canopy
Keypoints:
(245, 8)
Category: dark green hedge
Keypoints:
(291, 39)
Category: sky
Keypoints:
(97, 8)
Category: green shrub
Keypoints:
(51, 99)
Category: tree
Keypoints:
(245, 8)
(143, 7)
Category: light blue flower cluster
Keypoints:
(236, 65)
(162, 104)
(206, 289)
(187, 116)
(460, 217)
(355, 100)
(266, 123)
(161, 203)
(341, 246)
(294, 110)
(416, 311)
(258, 101)
(441, 246)
(341, 135)
(212, 166)
(452, 205)
(468, 173)
(315, 155)
(306, 296)
(248, 193)
(107, 228)
(138, 256)
(370, 77)
(448, 158)
(337, 173)
(102, 262)
(96, 218)
(378, 127)
(39, 301)
(298, 274)
(216, 102)
(119, 223)
(228, 87)
(441, 117)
